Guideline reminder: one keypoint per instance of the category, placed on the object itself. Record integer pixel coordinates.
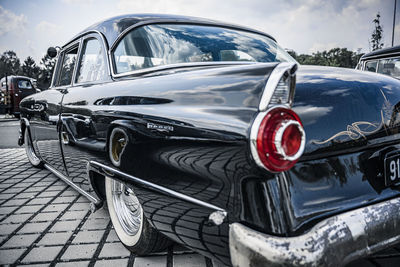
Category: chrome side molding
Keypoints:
(91, 198)
(217, 216)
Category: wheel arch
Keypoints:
(125, 124)
(24, 124)
(96, 179)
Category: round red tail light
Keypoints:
(278, 139)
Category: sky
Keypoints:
(29, 27)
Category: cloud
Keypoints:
(397, 34)
(31, 47)
(305, 26)
(47, 27)
(10, 22)
(322, 46)
(79, 2)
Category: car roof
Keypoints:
(15, 77)
(111, 28)
(382, 52)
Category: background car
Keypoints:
(14, 91)
(210, 135)
(385, 61)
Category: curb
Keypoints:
(5, 120)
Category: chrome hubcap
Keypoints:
(127, 208)
(118, 143)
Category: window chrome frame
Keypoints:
(114, 74)
(364, 61)
(99, 37)
(60, 61)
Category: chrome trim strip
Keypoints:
(57, 68)
(334, 241)
(377, 59)
(273, 80)
(93, 35)
(278, 140)
(171, 21)
(188, 22)
(182, 65)
(114, 173)
(381, 56)
(83, 36)
(89, 179)
(26, 121)
(70, 183)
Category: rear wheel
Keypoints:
(129, 222)
(30, 152)
(126, 212)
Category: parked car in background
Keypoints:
(385, 61)
(12, 90)
(210, 135)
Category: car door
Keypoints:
(83, 138)
(47, 122)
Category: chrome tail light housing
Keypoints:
(277, 137)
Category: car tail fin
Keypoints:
(277, 137)
(280, 86)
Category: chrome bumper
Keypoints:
(333, 242)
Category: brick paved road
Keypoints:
(45, 222)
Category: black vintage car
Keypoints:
(385, 61)
(192, 132)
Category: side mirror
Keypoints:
(52, 52)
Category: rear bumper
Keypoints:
(333, 242)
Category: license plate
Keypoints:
(392, 169)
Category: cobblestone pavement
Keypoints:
(45, 222)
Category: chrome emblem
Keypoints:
(159, 127)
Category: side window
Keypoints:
(67, 67)
(24, 84)
(92, 65)
(390, 67)
(371, 65)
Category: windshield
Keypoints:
(156, 45)
(24, 84)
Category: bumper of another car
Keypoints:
(332, 242)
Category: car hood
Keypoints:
(344, 109)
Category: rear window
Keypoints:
(390, 66)
(157, 45)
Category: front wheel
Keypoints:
(130, 224)
(30, 152)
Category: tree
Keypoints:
(336, 57)
(46, 71)
(30, 69)
(9, 64)
(377, 34)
